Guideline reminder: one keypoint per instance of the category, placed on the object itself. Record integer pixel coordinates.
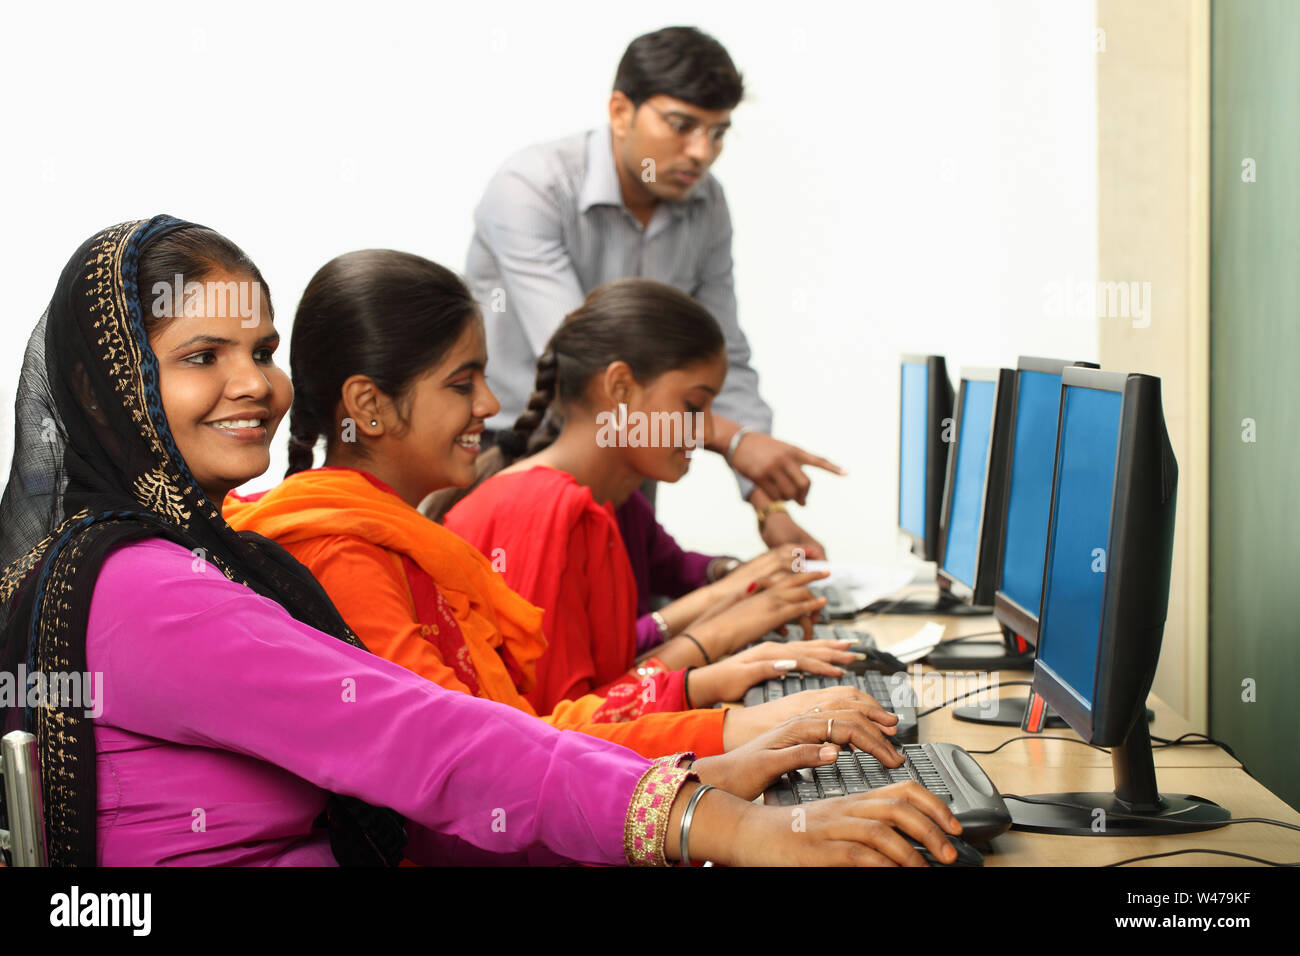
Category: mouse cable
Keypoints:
(981, 690)
(1239, 856)
(1068, 740)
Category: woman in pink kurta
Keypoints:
(205, 755)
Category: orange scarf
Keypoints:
(313, 504)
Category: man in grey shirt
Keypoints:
(634, 198)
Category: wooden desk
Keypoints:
(1040, 765)
(1236, 790)
(934, 687)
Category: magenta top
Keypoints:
(660, 566)
(225, 721)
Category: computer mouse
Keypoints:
(967, 855)
(875, 660)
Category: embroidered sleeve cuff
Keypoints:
(645, 831)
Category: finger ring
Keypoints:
(829, 724)
(816, 710)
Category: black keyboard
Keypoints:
(894, 693)
(946, 770)
(839, 601)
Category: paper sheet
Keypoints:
(867, 583)
(919, 644)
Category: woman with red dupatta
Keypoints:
(636, 353)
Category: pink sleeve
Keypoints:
(202, 661)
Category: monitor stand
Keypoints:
(1012, 652)
(945, 604)
(1010, 712)
(1016, 712)
(1145, 809)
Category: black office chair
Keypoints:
(25, 838)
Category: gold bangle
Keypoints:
(769, 509)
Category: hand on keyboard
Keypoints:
(743, 724)
(793, 744)
(728, 679)
(870, 829)
(752, 617)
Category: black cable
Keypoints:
(1068, 740)
(980, 690)
(1140, 818)
(1182, 741)
(1239, 856)
(1177, 742)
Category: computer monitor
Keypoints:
(970, 520)
(1022, 521)
(972, 494)
(1105, 594)
(924, 410)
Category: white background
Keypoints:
(903, 177)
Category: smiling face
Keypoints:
(429, 438)
(222, 392)
(679, 397)
(680, 139)
(446, 409)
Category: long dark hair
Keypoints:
(380, 313)
(651, 326)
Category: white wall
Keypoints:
(903, 177)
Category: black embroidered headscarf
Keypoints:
(95, 466)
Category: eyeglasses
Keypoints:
(688, 127)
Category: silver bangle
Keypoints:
(664, 632)
(686, 820)
(741, 432)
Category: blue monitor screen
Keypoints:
(1070, 628)
(1038, 405)
(914, 415)
(967, 505)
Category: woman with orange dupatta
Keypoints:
(402, 409)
